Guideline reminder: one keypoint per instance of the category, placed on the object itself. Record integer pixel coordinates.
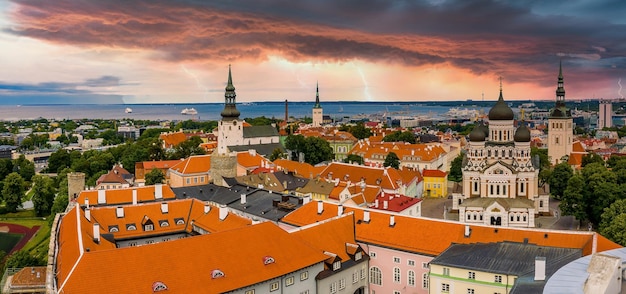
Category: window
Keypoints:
(333, 287)
(132, 244)
(342, 284)
(540, 203)
(445, 288)
(179, 221)
(113, 229)
(363, 272)
(358, 256)
(164, 223)
(304, 276)
(250, 291)
(305, 292)
(470, 291)
(289, 281)
(411, 278)
(396, 292)
(274, 286)
(355, 277)
(372, 254)
(148, 228)
(396, 260)
(410, 262)
(471, 275)
(425, 281)
(446, 271)
(376, 276)
(498, 279)
(336, 265)
(131, 227)
(396, 275)
(188, 180)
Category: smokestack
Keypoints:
(134, 196)
(164, 207)
(119, 211)
(88, 214)
(339, 210)
(468, 231)
(385, 204)
(306, 199)
(320, 206)
(102, 197)
(366, 216)
(243, 198)
(158, 191)
(96, 232)
(392, 220)
(540, 268)
(87, 202)
(286, 111)
(207, 207)
(223, 212)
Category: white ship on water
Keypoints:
(189, 111)
(128, 110)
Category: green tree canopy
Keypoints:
(544, 159)
(573, 200)
(13, 191)
(558, 180)
(613, 224)
(392, 160)
(315, 149)
(187, 148)
(353, 158)
(43, 194)
(591, 158)
(58, 160)
(23, 259)
(456, 174)
(276, 154)
(155, 176)
(359, 130)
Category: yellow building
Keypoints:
(435, 183)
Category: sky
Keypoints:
(165, 51)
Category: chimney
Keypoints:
(306, 199)
(164, 207)
(96, 232)
(468, 231)
(119, 211)
(320, 206)
(207, 207)
(88, 214)
(243, 198)
(134, 196)
(223, 212)
(102, 197)
(392, 220)
(87, 202)
(385, 204)
(158, 191)
(366, 216)
(376, 203)
(339, 210)
(540, 268)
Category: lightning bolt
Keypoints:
(204, 88)
(366, 90)
(619, 92)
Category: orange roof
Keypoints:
(431, 237)
(364, 196)
(193, 165)
(334, 194)
(251, 159)
(29, 277)
(241, 259)
(301, 169)
(405, 151)
(386, 178)
(111, 177)
(125, 196)
(172, 139)
(577, 146)
(435, 173)
(161, 164)
(331, 235)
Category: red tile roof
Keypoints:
(193, 165)
(435, 173)
(125, 196)
(172, 139)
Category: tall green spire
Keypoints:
(230, 111)
(317, 96)
(560, 90)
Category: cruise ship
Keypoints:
(189, 111)
(128, 110)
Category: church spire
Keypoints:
(560, 90)
(230, 111)
(317, 96)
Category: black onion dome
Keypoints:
(522, 134)
(477, 134)
(501, 111)
(485, 129)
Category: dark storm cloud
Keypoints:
(59, 87)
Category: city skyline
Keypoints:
(160, 51)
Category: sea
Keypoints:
(211, 111)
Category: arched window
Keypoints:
(411, 278)
(376, 276)
(425, 281)
(158, 286)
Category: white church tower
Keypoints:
(560, 126)
(230, 128)
(318, 115)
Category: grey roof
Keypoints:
(292, 181)
(508, 258)
(259, 131)
(7, 147)
(210, 192)
(263, 149)
(267, 205)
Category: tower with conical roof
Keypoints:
(560, 125)
(318, 114)
(230, 129)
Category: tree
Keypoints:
(23, 259)
(558, 180)
(187, 148)
(613, 224)
(591, 158)
(456, 174)
(43, 194)
(91, 181)
(58, 160)
(601, 190)
(13, 191)
(295, 144)
(155, 176)
(544, 159)
(392, 160)
(353, 158)
(359, 131)
(24, 167)
(399, 136)
(573, 200)
(317, 150)
(276, 154)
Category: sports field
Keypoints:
(9, 240)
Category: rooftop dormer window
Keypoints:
(114, 229)
(336, 265)
(179, 221)
(216, 273)
(268, 259)
(358, 256)
(158, 286)
(164, 223)
(131, 227)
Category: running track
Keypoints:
(17, 229)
